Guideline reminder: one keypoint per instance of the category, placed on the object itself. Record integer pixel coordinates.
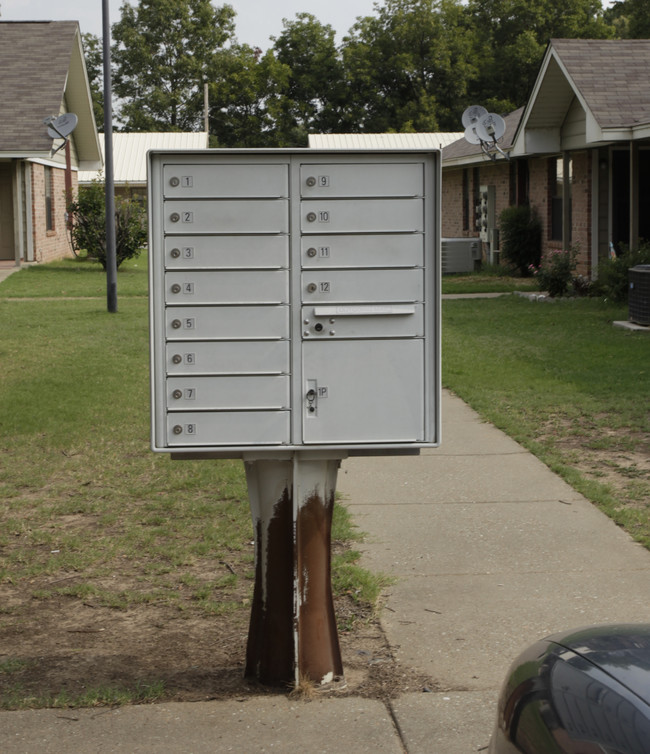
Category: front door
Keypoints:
(7, 250)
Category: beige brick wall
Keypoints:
(50, 245)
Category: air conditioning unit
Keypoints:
(459, 254)
(639, 294)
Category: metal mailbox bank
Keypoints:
(294, 307)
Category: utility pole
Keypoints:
(111, 256)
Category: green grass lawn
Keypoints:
(88, 513)
(492, 279)
(562, 380)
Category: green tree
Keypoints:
(511, 38)
(94, 55)
(162, 53)
(313, 95)
(409, 67)
(245, 90)
(88, 215)
(631, 18)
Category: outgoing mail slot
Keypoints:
(226, 252)
(219, 393)
(206, 428)
(227, 322)
(395, 250)
(363, 321)
(349, 180)
(359, 286)
(227, 287)
(205, 181)
(226, 216)
(228, 357)
(362, 216)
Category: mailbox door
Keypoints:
(361, 286)
(368, 251)
(228, 357)
(226, 322)
(365, 391)
(363, 321)
(362, 216)
(225, 180)
(227, 216)
(210, 428)
(366, 180)
(227, 287)
(227, 392)
(226, 252)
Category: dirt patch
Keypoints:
(66, 648)
(614, 457)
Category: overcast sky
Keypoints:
(256, 20)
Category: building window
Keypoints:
(49, 206)
(560, 191)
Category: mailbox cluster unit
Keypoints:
(294, 301)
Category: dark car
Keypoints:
(585, 691)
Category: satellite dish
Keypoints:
(473, 114)
(61, 127)
(490, 127)
(470, 134)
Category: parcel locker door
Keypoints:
(363, 391)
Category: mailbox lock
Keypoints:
(318, 327)
(312, 288)
(176, 288)
(311, 217)
(177, 394)
(176, 323)
(174, 217)
(178, 430)
(311, 252)
(311, 400)
(175, 253)
(177, 358)
(311, 181)
(174, 181)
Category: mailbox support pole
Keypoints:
(293, 635)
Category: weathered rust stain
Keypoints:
(270, 652)
(319, 654)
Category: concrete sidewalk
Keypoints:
(490, 550)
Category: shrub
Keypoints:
(88, 231)
(555, 273)
(521, 238)
(612, 281)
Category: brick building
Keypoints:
(42, 74)
(579, 153)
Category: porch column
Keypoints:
(566, 200)
(634, 195)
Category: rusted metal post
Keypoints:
(293, 634)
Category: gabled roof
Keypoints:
(42, 73)
(434, 140)
(461, 152)
(607, 78)
(130, 153)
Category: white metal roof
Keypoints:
(130, 153)
(436, 140)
